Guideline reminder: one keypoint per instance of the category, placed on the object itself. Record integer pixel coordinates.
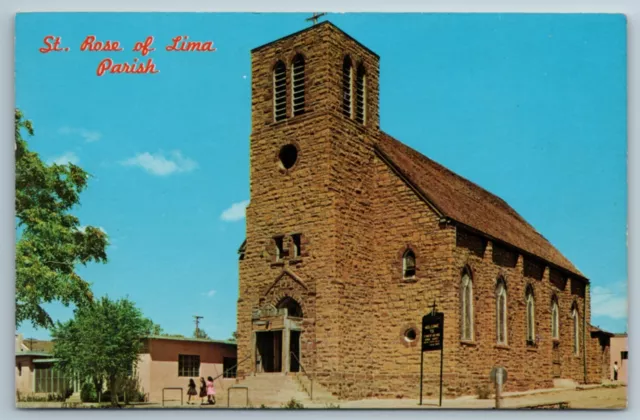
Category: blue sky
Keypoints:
(531, 107)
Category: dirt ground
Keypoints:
(606, 398)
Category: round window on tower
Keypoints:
(288, 156)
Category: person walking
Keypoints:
(615, 371)
(203, 390)
(211, 392)
(191, 391)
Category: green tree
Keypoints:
(234, 336)
(101, 342)
(51, 241)
(202, 334)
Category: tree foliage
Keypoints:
(202, 334)
(234, 336)
(101, 342)
(51, 241)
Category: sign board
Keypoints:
(432, 331)
(498, 372)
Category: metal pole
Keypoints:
(441, 355)
(498, 387)
(421, 364)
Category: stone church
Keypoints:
(352, 236)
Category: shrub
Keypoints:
(130, 390)
(331, 406)
(484, 392)
(293, 404)
(88, 393)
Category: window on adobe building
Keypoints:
(361, 94)
(501, 311)
(555, 318)
(297, 85)
(347, 87)
(624, 355)
(279, 91)
(531, 315)
(297, 250)
(409, 264)
(576, 329)
(467, 306)
(188, 365)
(279, 240)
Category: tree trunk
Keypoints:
(97, 383)
(113, 387)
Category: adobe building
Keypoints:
(619, 354)
(351, 236)
(164, 362)
(35, 372)
(169, 362)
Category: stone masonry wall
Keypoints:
(528, 366)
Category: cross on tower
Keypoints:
(315, 17)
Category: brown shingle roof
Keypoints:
(465, 202)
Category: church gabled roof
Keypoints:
(461, 200)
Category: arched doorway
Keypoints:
(291, 305)
(277, 336)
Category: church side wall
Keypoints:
(528, 366)
(403, 220)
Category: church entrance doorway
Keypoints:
(269, 350)
(277, 334)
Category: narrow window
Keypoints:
(501, 312)
(361, 98)
(624, 355)
(296, 238)
(279, 240)
(467, 307)
(531, 327)
(188, 365)
(555, 321)
(279, 91)
(297, 84)
(347, 87)
(576, 331)
(409, 264)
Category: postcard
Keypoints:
(321, 210)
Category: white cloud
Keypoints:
(158, 164)
(68, 157)
(210, 293)
(88, 135)
(235, 212)
(609, 302)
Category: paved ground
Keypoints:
(592, 398)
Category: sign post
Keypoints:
(498, 376)
(432, 339)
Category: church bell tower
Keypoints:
(314, 120)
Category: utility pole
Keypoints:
(197, 318)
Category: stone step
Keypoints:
(274, 390)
